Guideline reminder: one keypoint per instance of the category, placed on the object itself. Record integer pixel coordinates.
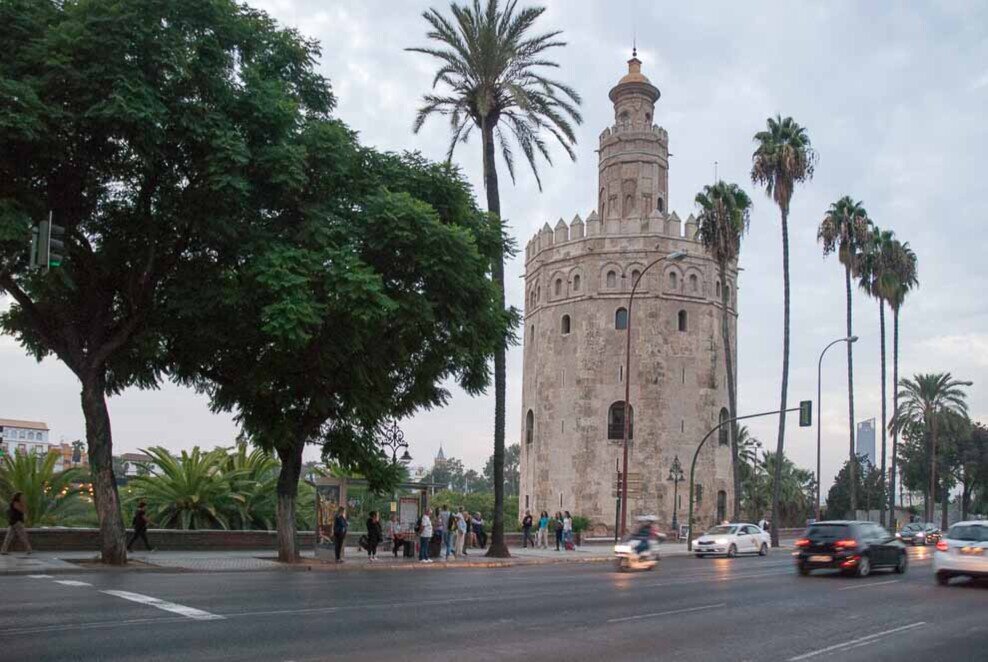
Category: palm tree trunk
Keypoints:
(931, 501)
(895, 414)
(288, 476)
(944, 506)
(785, 378)
(732, 397)
(850, 394)
(113, 550)
(498, 547)
(881, 480)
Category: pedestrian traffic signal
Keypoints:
(47, 245)
(806, 413)
(56, 245)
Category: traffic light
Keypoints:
(35, 246)
(47, 244)
(56, 245)
(806, 413)
(44, 235)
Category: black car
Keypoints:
(856, 548)
(919, 533)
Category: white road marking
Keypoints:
(40, 576)
(666, 613)
(851, 588)
(71, 582)
(854, 643)
(189, 612)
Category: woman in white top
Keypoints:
(425, 535)
(568, 528)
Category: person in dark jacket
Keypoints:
(340, 526)
(16, 515)
(140, 523)
(373, 535)
(557, 527)
(526, 529)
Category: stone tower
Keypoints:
(578, 278)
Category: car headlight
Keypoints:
(721, 541)
(898, 535)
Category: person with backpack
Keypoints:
(557, 527)
(425, 535)
(543, 533)
(340, 526)
(373, 535)
(16, 515)
(140, 523)
(526, 530)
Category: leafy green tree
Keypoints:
(52, 498)
(448, 472)
(972, 465)
(512, 470)
(473, 482)
(843, 231)
(147, 130)
(494, 69)
(783, 158)
(725, 211)
(253, 478)
(870, 489)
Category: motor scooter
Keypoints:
(629, 558)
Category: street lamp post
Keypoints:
(819, 415)
(674, 256)
(392, 437)
(676, 476)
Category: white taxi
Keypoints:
(962, 552)
(731, 540)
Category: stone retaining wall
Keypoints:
(74, 540)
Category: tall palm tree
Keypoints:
(842, 231)
(253, 477)
(725, 211)
(783, 158)
(906, 278)
(875, 259)
(494, 68)
(924, 400)
(52, 498)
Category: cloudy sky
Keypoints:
(894, 96)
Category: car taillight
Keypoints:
(803, 542)
(942, 546)
(846, 543)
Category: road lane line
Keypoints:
(853, 643)
(71, 582)
(189, 612)
(666, 613)
(852, 588)
(40, 576)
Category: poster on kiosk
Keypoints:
(330, 494)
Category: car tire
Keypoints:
(732, 551)
(803, 569)
(902, 564)
(943, 578)
(864, 567)
(763, 550)
(701, 556)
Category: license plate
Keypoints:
(972, 551)
(821, 558)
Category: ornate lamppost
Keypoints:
(676, 476)
(392, 437)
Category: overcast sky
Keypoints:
(894, 96)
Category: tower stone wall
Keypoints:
(578, 276)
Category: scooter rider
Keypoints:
(645, 533)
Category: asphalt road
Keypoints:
(687, 609)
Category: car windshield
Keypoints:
(828, 531)
(969, 532)
(911, 527)
(722, 530)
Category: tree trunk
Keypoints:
(777, 483)
(944, 507)
(931, 506)
(291, 470)
(881, 480)
(732, 397)
(850, 393)
(498, 547)
(113, 549)
(895, 414)
(965, 497)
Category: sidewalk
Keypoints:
(50, 563)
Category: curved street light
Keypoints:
(819, 415)
(675, 256)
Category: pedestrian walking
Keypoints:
(373, 535)
(140, 523)
(567, 530)
(394, 532)
(763, 524)
(447, 522)
(340, 526)
(478, 529)
(16, 516)
(526, 530)
(557, 527)
(425, 535)
(543, 532)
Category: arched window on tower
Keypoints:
(529, 427)
(621, 319)
(660, 205)
(558, 287)
(727, 294)
(673, 280)
(538, 293)
(694, 284)
(635, 275)
(718, 289)
(721, 505)
(564, 325)
(576, 283)
(611, 278)
(615, 421)
(722, 434)
(683, 321)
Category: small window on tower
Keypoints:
(576, 283)
(673, 280)
(621, 319)
(558, 286)
(611, 279)
(694, 284)
(565, 325)
(661, 205)
(682, 321)
(635, 275)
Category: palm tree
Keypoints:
(925, 399)
(725, 211)
(906, 278)
(253, 478)
(494, 69)
(782, 159)
(188, 492)
(52, 498)
(843, 230)
(877, 280)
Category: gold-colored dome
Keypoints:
(634, 74)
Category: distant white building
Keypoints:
(138, 464)
(28, 437)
